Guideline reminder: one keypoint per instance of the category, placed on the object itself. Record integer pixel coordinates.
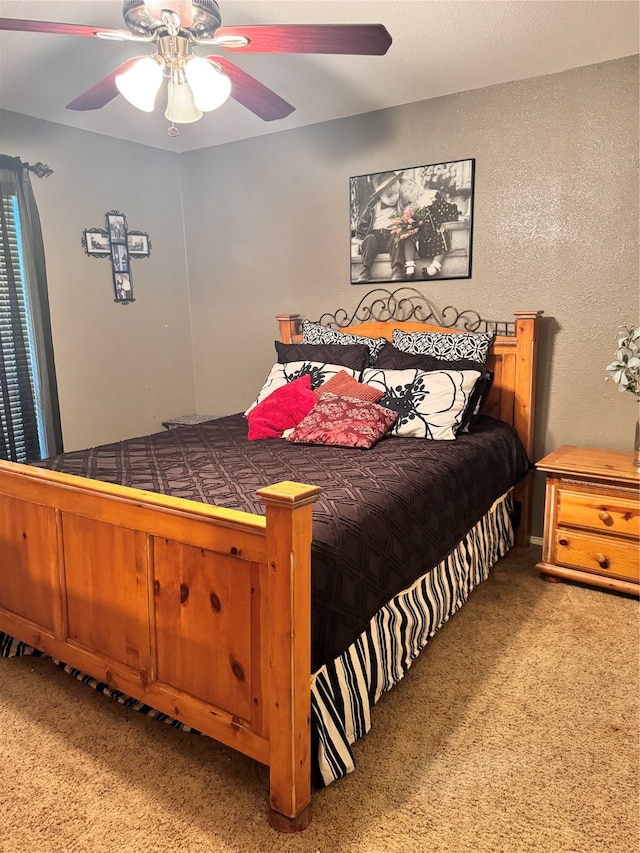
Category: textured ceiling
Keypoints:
(439, 47)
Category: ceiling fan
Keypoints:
(197, 84)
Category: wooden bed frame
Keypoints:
(199, 611)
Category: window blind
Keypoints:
(18, 417)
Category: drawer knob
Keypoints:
(601, 560)
(604, 517)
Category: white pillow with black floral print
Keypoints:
(429, 405)
(281, 374)
(445, 345)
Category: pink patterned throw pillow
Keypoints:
(343, 422)
(282, 409)
(346, 386)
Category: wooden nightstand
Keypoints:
(592, 518)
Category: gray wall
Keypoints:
(267, 231)
(121, 369)
(555, 228)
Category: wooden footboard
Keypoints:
(199, 611)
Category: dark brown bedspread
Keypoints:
(386, 515)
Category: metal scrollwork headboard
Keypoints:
(407, 303)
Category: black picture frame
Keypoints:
(96, 242)
(117, 227)
(120, 257)
(138, 244)
(435, 244)
(123, 287)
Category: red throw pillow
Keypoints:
(343, 422)
(283, 409)
(345, 385)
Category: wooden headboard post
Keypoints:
(288, 325)
(512, 357)
(524, 408)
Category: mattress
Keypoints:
(385, 513)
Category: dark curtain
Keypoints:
(35, 405)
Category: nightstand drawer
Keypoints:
(601, 554)
(619, 515)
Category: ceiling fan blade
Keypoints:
(19, 25)
(103, 91)
(371, 39)
(253, 94)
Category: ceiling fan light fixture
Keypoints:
(140, 83)
(210, 87)
(181, 108)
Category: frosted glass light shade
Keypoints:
(210, 87)
(140, 83)
(181, 108)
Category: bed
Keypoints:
(209, 613)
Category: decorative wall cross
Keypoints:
(121, 245)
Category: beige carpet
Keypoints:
(516, 731)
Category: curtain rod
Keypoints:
(39, 169)
(15, 164)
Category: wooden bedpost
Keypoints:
(524, 409)
(289, 531)
(288, 324)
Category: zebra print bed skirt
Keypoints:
(344, 691)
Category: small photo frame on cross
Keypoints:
(120, 257)
(96, 242)
(138, 244)
(123, 287)
(117, 225)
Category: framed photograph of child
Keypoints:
(412, 223)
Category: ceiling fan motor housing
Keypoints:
(142, 22)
